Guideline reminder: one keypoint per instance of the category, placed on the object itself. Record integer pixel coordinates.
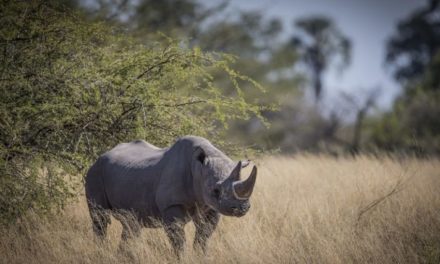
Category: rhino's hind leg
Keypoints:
(97, 200)
(100, 220)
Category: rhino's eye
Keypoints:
(216, 193)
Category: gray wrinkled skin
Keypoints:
(191, 180)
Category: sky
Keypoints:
(368, 23)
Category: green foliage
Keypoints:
(412, 126)
(72, 89)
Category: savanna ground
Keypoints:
(305, 209)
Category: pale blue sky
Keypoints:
(367, 22)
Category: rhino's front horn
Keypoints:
(243, 189)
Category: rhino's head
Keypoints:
(220, 185)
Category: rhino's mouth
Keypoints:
(233, 208)
(240, 211)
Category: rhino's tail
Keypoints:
(97, 200)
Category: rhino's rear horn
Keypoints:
(245, 163)
(235, 174)
(243, 189)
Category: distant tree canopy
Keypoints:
(72, 89)
(415, 44)
(176, 17)
(320, 43)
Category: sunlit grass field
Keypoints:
(305, 209)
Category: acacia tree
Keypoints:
(320, 43)
(72, 89)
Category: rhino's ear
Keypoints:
(200, 155)
(245, 163)
(198, 162)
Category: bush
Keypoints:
(72, 89)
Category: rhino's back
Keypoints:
(138, 153)
(130, 173)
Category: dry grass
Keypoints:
(304, 210)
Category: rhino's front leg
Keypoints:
(205, 225)
(174, 227)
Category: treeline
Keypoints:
(414, 53)
(291, 67)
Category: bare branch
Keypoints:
(150, 68)
(398, 186)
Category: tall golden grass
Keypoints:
(306, 209)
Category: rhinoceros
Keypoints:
(191, 180)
